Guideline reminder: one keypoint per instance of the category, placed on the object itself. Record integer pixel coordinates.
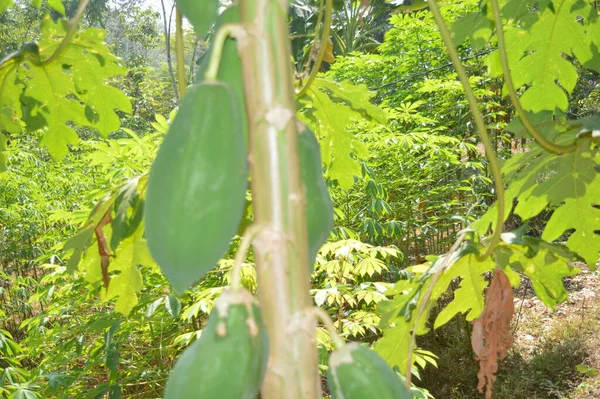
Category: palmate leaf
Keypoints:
(128, 248)
(4, 4)
(475, 26)
(581, 213)
(69, 90)
(10, 91)
(330, 109)
(468, 298)
(393, 346)
(567, 183)
(124, 286)
(537, 48)
(544, 263)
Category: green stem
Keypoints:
(249, 235)
(73, 23)
(323, 316)
(181, 82)
(479, 122)
(423, 304)
(217, 50)
(322, 48)
(306, 70)
(512, 93)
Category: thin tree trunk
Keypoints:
(167, 31)
(278, 201)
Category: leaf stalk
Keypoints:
(512, 93)
(479, 122)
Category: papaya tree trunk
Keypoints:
(281, 247)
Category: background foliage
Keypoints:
(403, 161)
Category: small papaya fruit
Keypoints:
(319, 208)
(197, 185)
(357, 372)
(229, 359)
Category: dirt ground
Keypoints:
(574, 322)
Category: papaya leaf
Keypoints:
(57, 6)
(402, 305)
(10, 90)
(129, 210)
(557, 178)
(469, 296)
(4, 4)
(131, 253)
(80, 241)
(357, 96)
(537, 53)
(545, 265)
(69, 90)
(515, 9)
(475, 26)
(201, 14)
(393, 346)
(341, 150)
(582, 214)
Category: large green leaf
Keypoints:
(10, 91)
(69, 90)
(469, 296)
(393, 346)
(4, 4)
(544, 263)
(57, 6)
(555, 179)
(330, 121)
(581, 213)
(201, 14)
(132, 253)
(537, 53)
(475, 26)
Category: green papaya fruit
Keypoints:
(319, 208)
(197, 185)
(229, 359)
(357, 372)
(230, 67)
(201, 14)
